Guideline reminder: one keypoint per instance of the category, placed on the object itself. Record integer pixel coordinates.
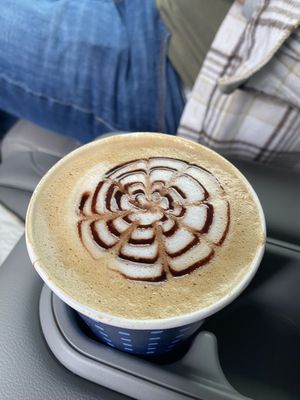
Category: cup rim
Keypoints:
(149, 324)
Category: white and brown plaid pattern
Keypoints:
(246, 100)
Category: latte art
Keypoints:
(116, 215)
(159, 217)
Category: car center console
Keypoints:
(250, 349)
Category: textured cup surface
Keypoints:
(142, 342)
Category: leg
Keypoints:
(87, 67)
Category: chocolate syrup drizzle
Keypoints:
(164, 203)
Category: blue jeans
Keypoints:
(87, 67)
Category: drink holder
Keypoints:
(196, 375)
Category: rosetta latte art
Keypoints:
(159, 217)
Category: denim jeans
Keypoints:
(87, 67)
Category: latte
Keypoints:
(157, 215)
(144, 226)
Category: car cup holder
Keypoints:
(258, 339)
(185, 377)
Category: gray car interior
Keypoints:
(249, 350)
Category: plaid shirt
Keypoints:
(246, 99)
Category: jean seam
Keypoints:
(57, 101)
(162, 81)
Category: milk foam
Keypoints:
(216, 222)
(159, 217)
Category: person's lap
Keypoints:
(87, 67)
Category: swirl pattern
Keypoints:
(158, 216)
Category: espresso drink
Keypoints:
(144, 226)
(159, 216)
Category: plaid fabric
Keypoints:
(246, 99)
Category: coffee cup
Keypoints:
(145, 235)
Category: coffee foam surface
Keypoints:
(123, 212)
(158, 216)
